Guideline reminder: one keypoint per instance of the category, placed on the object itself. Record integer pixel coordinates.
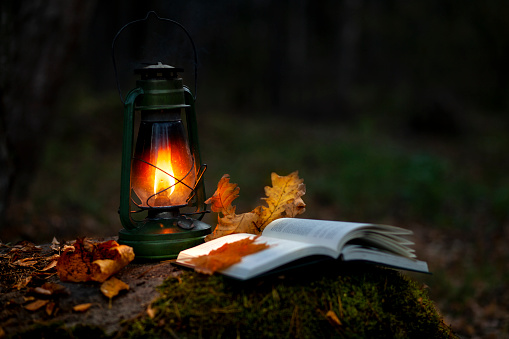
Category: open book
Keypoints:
(291, 239)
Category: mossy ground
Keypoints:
(370, 302)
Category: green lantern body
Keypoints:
(163, 173)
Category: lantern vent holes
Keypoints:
(158, 71)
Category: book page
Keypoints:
(355, 252)
(332, 234)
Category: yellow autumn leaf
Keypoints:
(284, 199)
(111, 287)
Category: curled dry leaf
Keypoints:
(284, 199)
(26, 262)
(49, 266)
(226, 255)
(88, 261)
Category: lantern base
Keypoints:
(163, 239)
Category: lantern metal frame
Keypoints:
(165, 231)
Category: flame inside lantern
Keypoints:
(164, 178)
(163, 171)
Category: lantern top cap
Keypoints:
(158, 71)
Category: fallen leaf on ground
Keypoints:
(25, 246)
(51, 265)
(226, 255)
(151, 312)
(284, 199)
(82, 307)
(111, 287)
(50, 289)
(22, 283)
(50, 308)
(88, 261)
(34, 306)
(333, 318)
(55, 244)
(26, 262)
(42, 291)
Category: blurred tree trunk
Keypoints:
(37, 40)
(296, 56)
(348, 43)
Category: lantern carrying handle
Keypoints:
(162, 19)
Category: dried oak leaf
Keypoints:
(226, 255)
(88, 261)
(284, 199)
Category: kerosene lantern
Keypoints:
(161, 172)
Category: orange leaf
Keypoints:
(226, 255)
(87, 261)
(34, 306)
(284, 199)
(81, 307)
(50, 308)
(333, 318)
(222, 199)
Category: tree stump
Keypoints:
(331, 299)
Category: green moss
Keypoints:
(369, 302)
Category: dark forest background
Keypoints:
(392, 111)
